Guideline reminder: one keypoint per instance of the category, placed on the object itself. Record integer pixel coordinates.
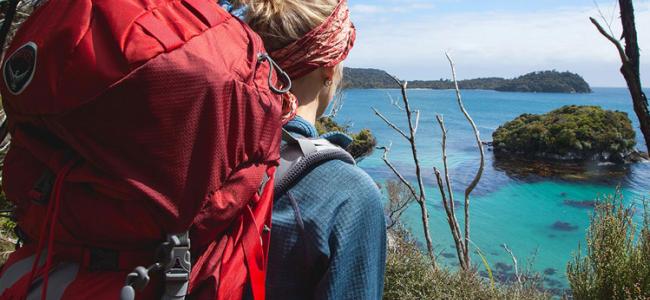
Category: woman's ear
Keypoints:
(328, 73)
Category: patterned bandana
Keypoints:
(324, 46)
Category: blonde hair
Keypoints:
(281, 22)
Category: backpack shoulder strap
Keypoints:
(298, 156)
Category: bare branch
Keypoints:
(397, 173)
(449, 204)
(514, 261)
(402, 84)
(602, 16)
(337, 105)
(453, 223)
(421, 198)
(479, 143)
(417, 122)
(399, 197)
(441, 122)
(616, 42)
(391, 124)
(394, 102)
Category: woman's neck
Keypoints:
(308, 103)
(308, 112)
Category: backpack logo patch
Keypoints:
(19, 68)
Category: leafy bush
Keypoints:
(571, 132)
(409, 275)
(617, 260)
(363, 143)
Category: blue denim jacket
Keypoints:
(328, 237)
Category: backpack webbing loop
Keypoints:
(175, 262)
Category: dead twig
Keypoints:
(615, 41)
(630, 58)
(395, 171)
(514, 262)
(399, 197)
(453, 223)
(449, 202)
(410, 137)
(479, 143)
(394, 102)
(391, 124)
(417, 121)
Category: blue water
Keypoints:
(516, 211)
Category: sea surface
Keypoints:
(540, 218)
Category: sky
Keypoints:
(503, 38)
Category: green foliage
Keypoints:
(547, 82)
(366, 79)
(363, 143)
(7, 238)
(544, 81)
(409, 275)
(571, 132)
(617, 260)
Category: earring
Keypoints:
(328, 83)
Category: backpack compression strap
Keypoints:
(298, 156)
(10, 13)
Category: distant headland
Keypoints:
(535, 82)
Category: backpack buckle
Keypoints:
(177, 265)
(175, 262)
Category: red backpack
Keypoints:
(138, 126)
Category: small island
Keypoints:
(568, 134)
(535, 82)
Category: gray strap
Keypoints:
(300, 155)
(19, 269)
(59, 280)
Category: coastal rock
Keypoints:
(550, 271)
(564, 226)
(457, 205)
(580, 204)
(533, 170)
(571, 134)
(637, 156)
(503, 267)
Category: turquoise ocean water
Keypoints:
(505, 209)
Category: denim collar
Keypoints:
(300, 126)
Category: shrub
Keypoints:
(7, 239)
(363, 142)
(571, 132)
(617, 260)
(409, 275)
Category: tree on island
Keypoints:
(630, 59)
(570, 133)
(534, 82)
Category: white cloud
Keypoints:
(365, 9)
(403, 6)
(495, 44)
